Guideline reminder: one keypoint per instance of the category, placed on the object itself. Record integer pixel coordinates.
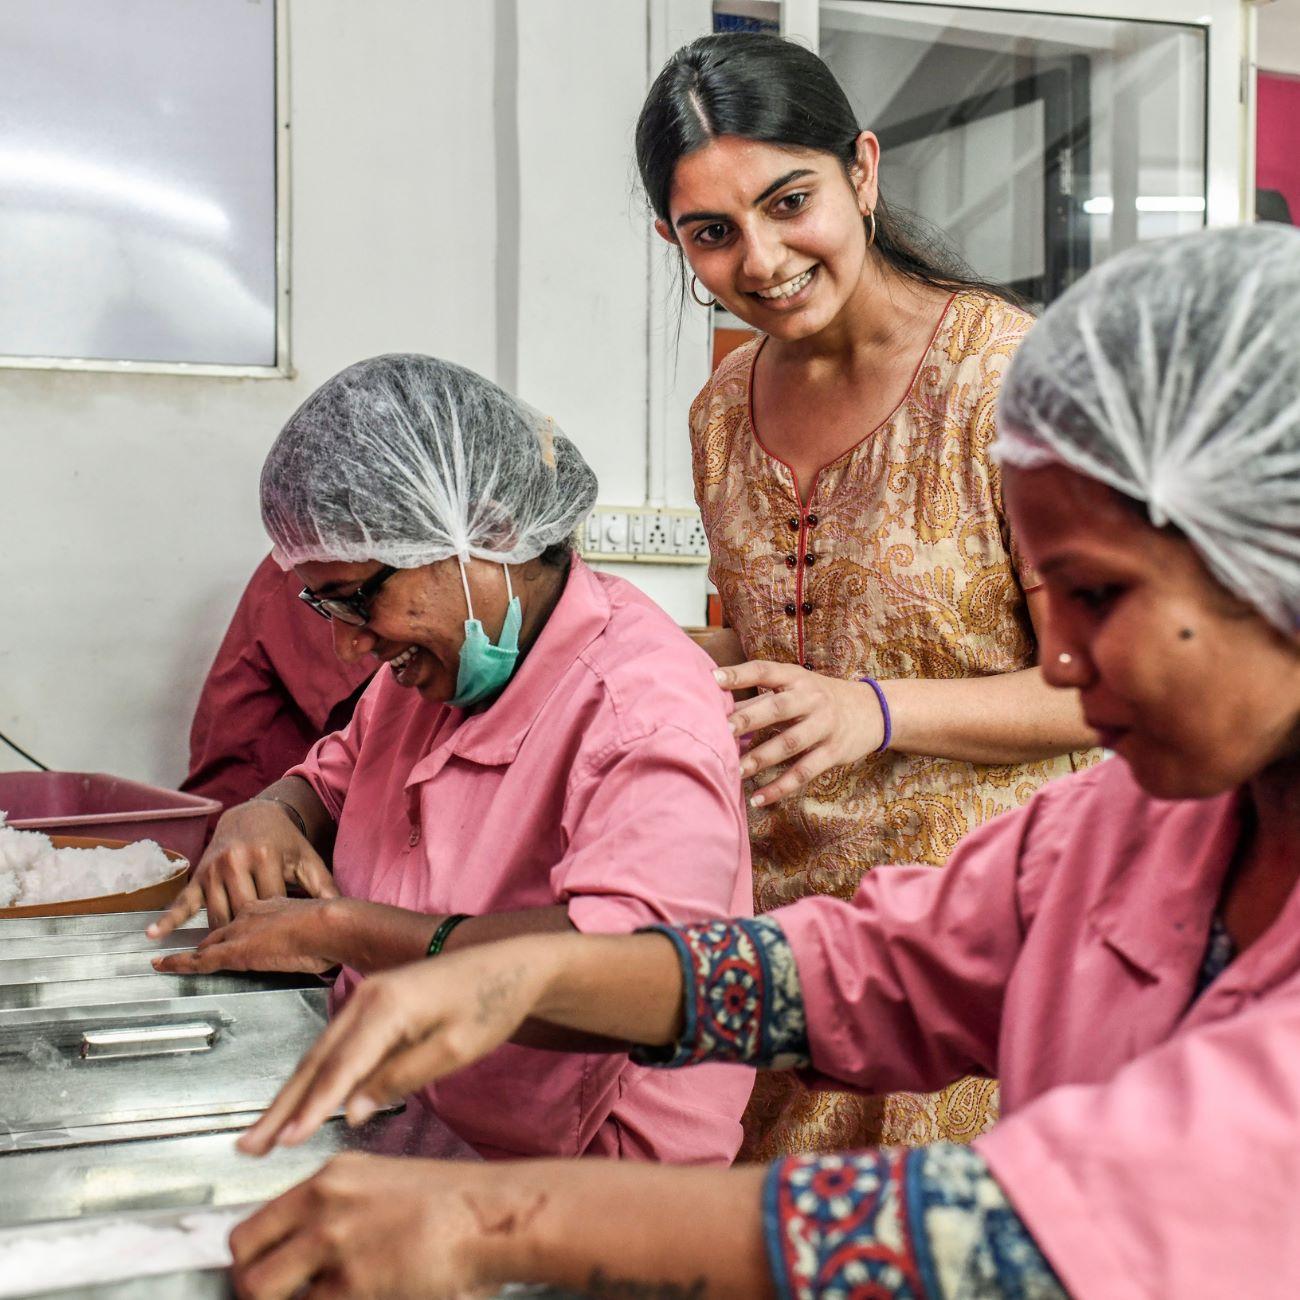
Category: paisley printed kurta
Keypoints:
(900, 563)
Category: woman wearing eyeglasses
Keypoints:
(541, 743)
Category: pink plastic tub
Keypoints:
(95, 804)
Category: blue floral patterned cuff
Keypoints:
(926, 1224)
(837, 1225)
(741, 999)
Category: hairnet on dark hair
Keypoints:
(1172, 374)
(407, 460)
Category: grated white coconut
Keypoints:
(33, 871)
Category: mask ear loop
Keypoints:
(464, 582)
(510, 591)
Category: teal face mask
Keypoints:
(486, 668)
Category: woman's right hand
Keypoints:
(406, 1028)
(256, 851)
(370, 1226)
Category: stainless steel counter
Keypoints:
(121, 1091)
(197, 1169)
(99, 924)
(162, 1181)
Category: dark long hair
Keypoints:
(761, 87)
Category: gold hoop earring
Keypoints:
(704, 302)
(871, 239)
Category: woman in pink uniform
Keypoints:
(1123, 952)
(542, 742)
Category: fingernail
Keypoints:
(757, 801)
(360, 1109)
(152, 930)
(719, 676)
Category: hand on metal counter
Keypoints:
(256, 851)
(369, 1226)
(403, 1029)
(820, 722)
(268, 934)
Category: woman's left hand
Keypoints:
(821, 722)
(367, 1226)
(269, 934)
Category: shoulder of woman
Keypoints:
(726, 387)
(1061, 817)
(648, 677)
(981, 325)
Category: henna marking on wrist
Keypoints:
(495, 993)
(504, 1222)
(601, 1286)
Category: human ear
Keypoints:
(664, 230)
(865, 171)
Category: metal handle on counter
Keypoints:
(148, 1040)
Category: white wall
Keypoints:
(583, 317)
(1279, 37)
(130, 502)
(440, 203)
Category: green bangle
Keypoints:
(443, 932)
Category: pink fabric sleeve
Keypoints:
(331, 761)
(903, 986)
(1179, 1176)
(656, 833)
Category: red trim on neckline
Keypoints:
(898, 406)
(806, 508)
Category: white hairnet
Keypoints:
(407, 460)
(1172, 374)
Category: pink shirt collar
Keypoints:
(1158, 920)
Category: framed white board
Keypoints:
(143, 185)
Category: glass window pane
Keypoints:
(137, 180)
(1037, 144)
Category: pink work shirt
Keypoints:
(1150, 1141)
(605, 778)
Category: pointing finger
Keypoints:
(188, 901)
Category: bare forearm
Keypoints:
(602, 992)
(608, 1229)
(625, 988)
(372, 937)
(1004, 718)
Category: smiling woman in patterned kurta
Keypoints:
(855, 521)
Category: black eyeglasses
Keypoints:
(353, 610)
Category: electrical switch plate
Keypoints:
(645, 535)
(697, 541)
(615, 534)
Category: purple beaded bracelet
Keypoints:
(884, 712)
